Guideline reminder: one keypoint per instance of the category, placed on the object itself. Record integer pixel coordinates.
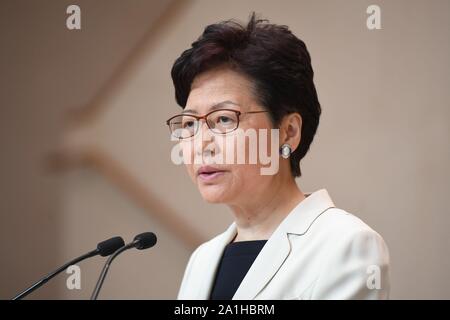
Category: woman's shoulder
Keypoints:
(339, 222)
(342, 232)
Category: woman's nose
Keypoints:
(204, 139)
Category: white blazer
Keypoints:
(317, 252)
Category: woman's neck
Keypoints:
(257, 220)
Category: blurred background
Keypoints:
(85, 152)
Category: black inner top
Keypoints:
(237, 258)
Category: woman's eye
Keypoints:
(224, 120)
(188, 124)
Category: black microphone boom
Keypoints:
(104, 248)
(141, 241)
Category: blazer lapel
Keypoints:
(265, 266)
(278, 247)
(214, 253)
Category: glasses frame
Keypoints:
(238, 114)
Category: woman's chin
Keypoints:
(214, 194)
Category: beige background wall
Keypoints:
(381, 149)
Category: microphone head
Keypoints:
(107, 247)
(145, 240)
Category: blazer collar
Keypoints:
(275, 251)
(308, 210)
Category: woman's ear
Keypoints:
(291, 130)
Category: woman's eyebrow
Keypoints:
(214, 107)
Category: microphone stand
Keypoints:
(54, 273)
(105, 269)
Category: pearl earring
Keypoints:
(285, 151)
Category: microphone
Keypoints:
(104, 248)
(141, 241)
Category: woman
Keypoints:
(283, 243)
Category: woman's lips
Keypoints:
(209, 176)
(208, 173)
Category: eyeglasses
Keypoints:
(220, 121)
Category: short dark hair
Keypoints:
(277, 62)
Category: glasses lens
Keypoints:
(183, 126)
(222, 121)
